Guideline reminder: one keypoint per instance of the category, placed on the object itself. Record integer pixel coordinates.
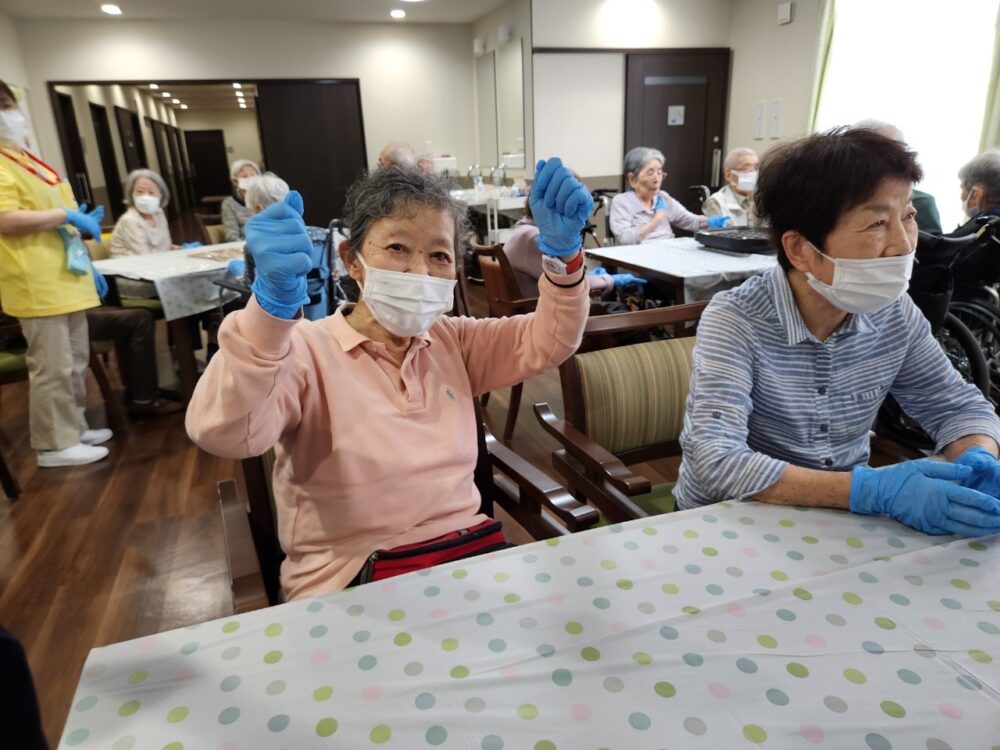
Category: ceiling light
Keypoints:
(243, 105)
(413, 1)
(397, 13)
(237, 85)
(240, 94)
(175, 101)
(166, 94)
(154, 86)
(184, 106)
(111, 9)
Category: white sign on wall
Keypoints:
(675, 114)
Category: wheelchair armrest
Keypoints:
(597, 460)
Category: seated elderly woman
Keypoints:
(143, 227)
(235, 212)
(791, 367)
(980, 183)
(644, 212)
(735, 199)
(370, 411)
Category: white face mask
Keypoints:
(14, 127)
(864, 286)
(146, 204)
(746, 181)
(243, 183)
(406, 304)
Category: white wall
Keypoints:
(771, 62)
(416, 80)
(239, 128)
(11, 62)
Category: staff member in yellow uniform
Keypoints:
(46, 282)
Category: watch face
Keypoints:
(553, 265)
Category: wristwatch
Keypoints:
(555, 266)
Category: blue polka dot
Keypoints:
(361, 636)
(367, 662)
(772, 538)
(189, 648)
(497, 645)
(315, 606)
(762, 592)
(424, 573)
(631, 545)
(425, 701)
(530, 558)
(714, 589)
(543, 577)
(867, 577)
(77, 736)
(988, 627)
(545, 650)
(668, 632)
(615, 528)
(692, 568)
(899, 599)
(229, 684)
(951, 603)
(318, 631)
(729, 534)
(747, 666)
(694, 660)
(491, 742)
(877, 742)
(908, 676)
(584, 581)
(872, 648)
(777, 697)
(639, 721)
(436, 735)
(896, 542)
(432, 591)
(85, 704)
(484, 618)
(278, 723)
(786, 614)
(601, 603)
(869, 525)
(969, 563)
(709, 518)
(794, 555)
(969, 682)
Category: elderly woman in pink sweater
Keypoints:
(370, 410)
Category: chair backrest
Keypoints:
(215, 234)
(209, 221)
(503, 293)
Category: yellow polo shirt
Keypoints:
(34, 281)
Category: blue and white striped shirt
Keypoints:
(766, 393)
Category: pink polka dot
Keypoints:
(509, 672)
(751, 552)
(146, 644)
(580, 711)
(719, 690)
(557, 598)
(951, 710)
(320, 657)
(648, 564)
(735, 610)
(618, 626)
(590, 542)
(811, 732)
(933, 623)
(816, 641)
(820, 573)
(372, 693)
(227, 746)
(184, 675)
(921, 558)
(389, 587)
(438, 613)
(824, 522)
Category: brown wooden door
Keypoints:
(206, 150)
(163, 159)
(313, 137)
(72, 147)
(109, 164)
(675, 101)
(177, 167)
(133, 147)
(177, 145)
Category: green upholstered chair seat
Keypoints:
(660, 499)
(12, 360)
(634, 396)
(153, 305)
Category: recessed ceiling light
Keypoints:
(397, 13)
(184, 106)
(175, 101)
(243, 105)
(240, 94)
(166, 94)
(154, 86)
(413, 1)
(237, 85)
(111, 9)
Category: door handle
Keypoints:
(83, 185)
(716, 165)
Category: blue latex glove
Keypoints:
(718, 222)
(985, 475)
(282, 253)
(189, 245)
(237, 267)
(659, 204)
(927, 496)
(561, 206)
(624, 279)
(88, 223)
(100, 282)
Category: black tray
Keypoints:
(742, 240)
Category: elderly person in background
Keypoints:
(928, 218)
(735, 199)
(371, 411)
(398, 155)
(47, 284)
(644, 212)
(980, 183)
(791, 367)
(143, 229)
(234, 209)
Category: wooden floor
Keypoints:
(133, 545)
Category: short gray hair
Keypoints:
(735, 155)
(639, 157)
(984, 170)
(237, 165)
(398, 154)
(137, 174)
(881, 127)
(395, 191)
(265, 189)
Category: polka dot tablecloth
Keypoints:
(737, 625)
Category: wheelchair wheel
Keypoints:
(983, 320)
(965, 355)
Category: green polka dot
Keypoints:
(173, 746)
(856, 676)
(326, 727)
(978, 546)
(755, 734)
(609, 564)
(527, 711)
(137, 676)
(981, 656)
(642, 658)
(893, 709)
(665, 689)
(272, 630)
(624, 584)
(128, 708)
(590, 654)
(323, 693)
(402, 639)
(885, 623)
(786, 522)
(231, 627)
(802, 594)
(574, 628)
(854, 542)
(272, 657)
(669, 588)
(512, 598)
(501, 577)
(960, 583)
(767, 641)
(552, 542)
(691, 534)
(851, 598)
(459, 672)
(797, 670)
(396, 615)
(709, 551)
(544, 745)
(449, 644)
(690, 610)
(562, 677)
(380, 734)
(779, 575)
(177, 714)
(810, 540)
(460, 573)
(650, 531)
(994, 605)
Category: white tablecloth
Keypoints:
(731, 626)
(183, 283)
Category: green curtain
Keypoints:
(826, 26)
(991, 122)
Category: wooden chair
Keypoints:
(211, 228)
(253, 554)
(624, 406)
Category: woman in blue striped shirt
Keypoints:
(791, 367)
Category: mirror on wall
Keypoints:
(486, 102)
(510, 104)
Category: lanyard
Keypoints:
(31, 169)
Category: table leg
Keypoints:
(180, 333)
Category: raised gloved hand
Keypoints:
(190, 245)
(659, 204)
(281, 250)
(100, 282)
(561, 206)
(88, 223)
(624, 279)
(924, 494)
(985, 475)
(718, 222)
